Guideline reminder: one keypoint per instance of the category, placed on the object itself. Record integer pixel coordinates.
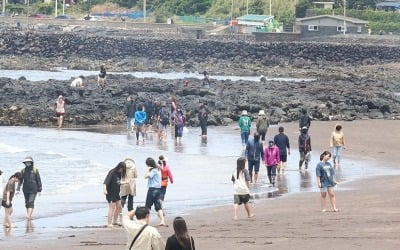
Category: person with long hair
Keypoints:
(111, 189)
(180, 240)
(8, 195)
(166, 175)
(154, 192)
(337, 144)
(128, 184)
(326, 180)
(241, 182)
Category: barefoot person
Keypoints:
(153, 175)
(8, 195)
(337, 144)
(244, 125)
(282, 142)
(111, 189)
(271, 156)
(304, 148)
(326, 180)
(60, 110)
(140, 119)
(241, 181)
(150, 238)
(128, 184)
(31, 185)
(180, 240)
(254, 151)
(262, 124)
(166, 175)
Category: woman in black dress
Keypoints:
(111, 189)
(181, 240)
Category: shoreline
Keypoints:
(212, 227)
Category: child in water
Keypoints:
(326, 180)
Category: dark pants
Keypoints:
(255, 165)
(271, 172)
(30, 200)
(203, 128)
(130, 201)
(262, 134)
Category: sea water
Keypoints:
(74, 163)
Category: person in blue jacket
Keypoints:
(140, 120)
(254, 151)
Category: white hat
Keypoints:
(244, 112)
(28, 159)
(261, 112)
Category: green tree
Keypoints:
(302, 7)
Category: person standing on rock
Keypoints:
(254, 151)
(271, 156)
(262, 124)
(128, 184)
(241, 193)
(130, 109)
(32, 185)
(101, 79)
(282, 142)
(244, 125)
(60, 110)
(304, 119)
(140, 120)
(206, 80)
(78, 82)
(304, 148)
(337, 144)
(203, 119)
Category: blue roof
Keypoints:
(251, 17)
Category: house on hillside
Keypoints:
(324, 4)
(252, 23)
(388, 6)
(329, 25)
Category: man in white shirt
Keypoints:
(149, 238)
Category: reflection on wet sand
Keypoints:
(29, 226)
(305, 179)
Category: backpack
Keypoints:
(246, 122)
(35, 171)
(164, 117)
(179, 121)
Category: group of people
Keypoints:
(29, 179)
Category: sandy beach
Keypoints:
(369, 216)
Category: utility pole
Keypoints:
(270, 7)
(232, 11)
(144, 11)
(4, 6)
(247, 9)
(55, 9)
(344, 20)
(63, 7)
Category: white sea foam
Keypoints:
(4, 148)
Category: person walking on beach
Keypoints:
(337, 144)
(128, 184)
(245, 125)
(101, 79)
(166, 174)
(174, 107)
(271, 156)
(282, 142)
(241, 182)
(111, 189)
(179, 121)
(304, 119)
(180, 240)
(163, 121)
(203, 119)
(130, 109)
(31, 185)
(326, 180)
(149, 109)
(140, 119)
(60, 110)
(304, 147)
(140, 235)
(153, 175)
(8, 195)
(262, 124)
(254, 151)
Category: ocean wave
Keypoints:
(4, 148)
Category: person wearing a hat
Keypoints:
(262, 124)
(272, 159)
(31, 185)
(60, 110)
(245, 125)
(304, 147)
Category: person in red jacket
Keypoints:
(272, 159)
(165, 175)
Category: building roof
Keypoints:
(388, 4)
(255, 18)
(342, 18)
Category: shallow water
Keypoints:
(63, 74)
(74, 163)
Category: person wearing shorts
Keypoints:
(241, 182)
(254, 151)
(304, 147)
(153, 175)
(60, 110)
(8, 195)
(281, 140)
(326, 180)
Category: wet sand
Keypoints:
(369, 216)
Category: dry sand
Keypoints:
(369, 216)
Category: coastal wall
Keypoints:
(67, 45)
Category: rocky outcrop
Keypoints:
(32, 103)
